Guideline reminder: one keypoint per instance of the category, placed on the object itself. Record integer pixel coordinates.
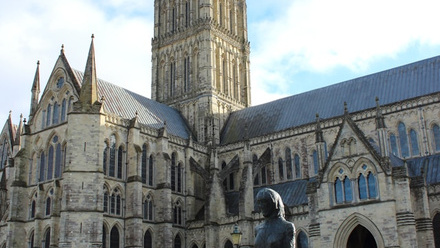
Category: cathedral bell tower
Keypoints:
(200, 62)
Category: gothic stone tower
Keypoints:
(200, 62)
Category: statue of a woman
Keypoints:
(275, 231)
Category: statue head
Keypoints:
(270, 203)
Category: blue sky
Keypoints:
(296, 45)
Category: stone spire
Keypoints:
(35, 91)
(89, 87)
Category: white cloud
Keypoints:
(34, 30)
(319, 35)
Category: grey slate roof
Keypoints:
(124, 103)
(394, 85)
(430, 166)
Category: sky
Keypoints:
(296, 45)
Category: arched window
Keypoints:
(347, 190)
(112, 158)
(414, 143)
(105, 200)
(33, 209)
(393, 145)
(177, 241)
(120, 162)
(46, 241)
(289, 167)
(338, 191)
(187, 14)
(372, 185)
(186, 73)
(177, 217)
(228, 244)
(281, 169)
(302, 240)
(179, 177)
(255, 165)
(58, 161)
(55, 118)
(114, 238)
(50, 157)
(362, 187)
(31, 240)
(148, 208)
(63, 110)
(118, 204)
(173, 172)
(403, 138)
(315, 162)
(436, 227)
(150, 171)
(148, 241)
(42, 166)
(48, 206)
(436, 135)
(144, 164)
(105, 158)
(172, 76)
(49, 115)
(367, 186)
(297, 166)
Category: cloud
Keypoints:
(319, 36)
(35, 30)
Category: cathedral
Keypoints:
(357, 163)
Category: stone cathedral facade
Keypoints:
(95, 165)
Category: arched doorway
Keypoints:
(228, 244)
(360, 237)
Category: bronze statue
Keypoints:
(275, 231)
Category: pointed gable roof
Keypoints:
(402, 83)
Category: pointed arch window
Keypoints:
(228, 244)
(186, 74)
(144, 164)
(48, 206)
(176, 174)
(55, 117)
(116, 202)
(58, 161)
(177, 213)
(281, 169)
(297, 166)
(50, 157)
(414, 143)
(302, 240)
(367, 186)
(33, 206)
(46, 241)
(343, 190)
(148, 208)
(187, 14)
(120, 162)
(114, 237)
(42, 166)
(112, 156)
(104, 236)
(393, 145)
(151, 171)
(315, 162)
(148, 240)
(49, 115)
(436, 136)
(403, 138)
(31, 240)
(177, 241)
(289, 166)
(172, 78)
(436, 227)
(63, 110)
(105, 200)
(255, 165)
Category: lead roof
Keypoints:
(390, 86)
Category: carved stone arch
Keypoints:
(263, 160)
(333, 173)
(349, 224)
(357, 168)
(120, 189)
(48, 142)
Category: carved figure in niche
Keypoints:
(275, 231)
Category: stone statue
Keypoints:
(275, 231)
